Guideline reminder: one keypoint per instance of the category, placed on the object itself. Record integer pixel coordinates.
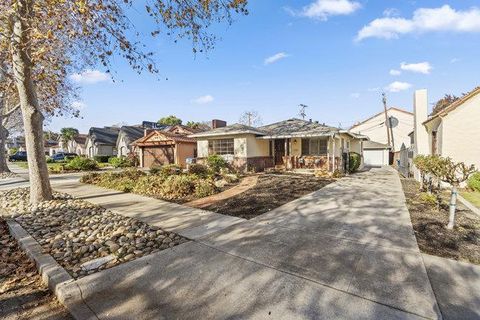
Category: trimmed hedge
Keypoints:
(354, 161)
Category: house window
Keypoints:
(434, 142)
(221, 146)
(314, 147)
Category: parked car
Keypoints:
(62, 156)
(18, 156)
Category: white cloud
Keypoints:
(322, 9)
(391, 12)
(398, 86)
(203, 99)
(444, 18)
(90, 77)
(275, 58)
(395, 72)
(421, 67)
(355, 95)
(79, 105)
(455, 60)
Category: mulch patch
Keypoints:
(269, 193)
(429, 223)
(22, 293)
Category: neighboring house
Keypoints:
(292, 144)
(102, 141)
(454, 132)
(376, 130)
(181, 129)
(77, 144)
(158, 148)
(126, 137)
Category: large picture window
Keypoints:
(314, 147)
(221, 146)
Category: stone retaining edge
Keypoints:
(469, 205)
(53, 275)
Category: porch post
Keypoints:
(328, 153)
(333, 155)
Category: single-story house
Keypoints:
(126, 137)
(158, 148)
(375, 128)
(453, 132)
(102, 141)
(290, 144)
(77, 144)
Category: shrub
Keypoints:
(91, 178)
(149, 185)
(216, 163)
(81, 164)
(204, 188)
(230, 177)
(179, 186)
(474, 181)
(12, 150)
(120, 162)
(354, 161)
(427, 198)
(198, 169)
(50, 160)
(101, 159)
(166, 170)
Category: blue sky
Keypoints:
(335, 56)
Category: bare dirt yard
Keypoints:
(429, 223)
(270, 192)
(22, 294)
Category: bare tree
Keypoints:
(42, 35)
(250, 118)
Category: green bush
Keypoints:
(216, 163)
(12, 150)
(354, 162)
(198, 169)
(474, 181)
(120, 162)
(81, 164)
(101, 159)
(149, 185)
(204, 188)
(427, 198)
(50, 160)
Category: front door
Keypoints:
(279, 151)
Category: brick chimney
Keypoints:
(218, 123)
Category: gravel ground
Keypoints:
(429, 223)
(22, 293)
(270, 192)
(76, 232)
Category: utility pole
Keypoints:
(302, 113)
(387, 120)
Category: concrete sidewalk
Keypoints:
(347, 251)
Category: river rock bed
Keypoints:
(8, 175)
(79, 234)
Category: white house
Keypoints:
(126, 136)
(453, 132)
(102, 141)
(376, 130)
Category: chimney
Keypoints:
(147, 131)
(420, 110)
(218, 123)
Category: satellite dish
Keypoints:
(392, 123)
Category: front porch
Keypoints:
(309, 153)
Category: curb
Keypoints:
(469, 205)
(53, 275)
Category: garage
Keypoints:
(375, 154)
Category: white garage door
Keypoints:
(374, 157)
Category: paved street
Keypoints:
(345, 251)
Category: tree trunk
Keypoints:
(40, 189)
(453, 207)
(3, 138)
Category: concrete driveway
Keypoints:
(346, 251)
